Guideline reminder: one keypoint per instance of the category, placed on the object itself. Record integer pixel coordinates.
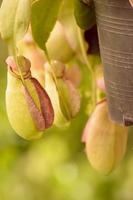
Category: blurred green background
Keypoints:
(56, 167)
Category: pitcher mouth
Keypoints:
(26, 75)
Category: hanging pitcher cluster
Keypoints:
(42, 91)
(38, 94)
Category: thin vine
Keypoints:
(13, 51)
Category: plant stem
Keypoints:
(85, 57)
(13, 50)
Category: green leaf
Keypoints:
(43, 17)
(14, 19)
(84, 14)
